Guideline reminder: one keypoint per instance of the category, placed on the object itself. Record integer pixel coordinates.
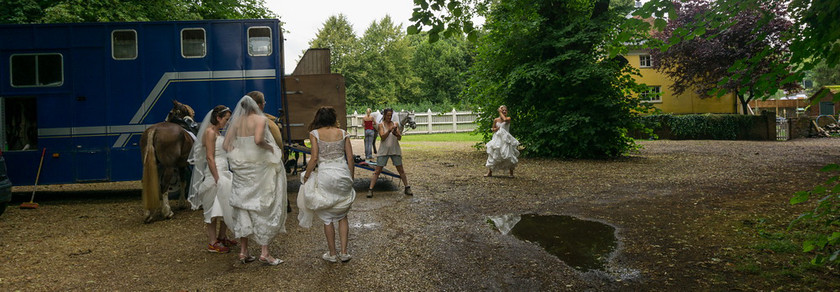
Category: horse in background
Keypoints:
(406, 119)
(165, 147)
(403, 118)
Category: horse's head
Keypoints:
(180, 111)
(407, 119)
(183, 115)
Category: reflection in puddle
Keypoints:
(582, 244)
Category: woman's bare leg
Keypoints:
(401, 171)
(243, 246)
(343, 233)
(211, 231)
(329, 231)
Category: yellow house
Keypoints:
(686, 103)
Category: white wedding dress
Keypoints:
(213, 196)
(502, 154)
(329, 191)
(259, 190)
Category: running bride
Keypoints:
(501, 150)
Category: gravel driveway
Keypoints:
(678, 208)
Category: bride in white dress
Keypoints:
(259, 180)
(211, 179)
(501, 150)
(328, 190)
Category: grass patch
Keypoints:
(443, 137)
(778, 246)
(775, 255)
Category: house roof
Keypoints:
(833, 89)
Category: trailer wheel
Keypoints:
(3, 207)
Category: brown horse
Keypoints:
(165, 147)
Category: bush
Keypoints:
(703, 126)
(823, 222)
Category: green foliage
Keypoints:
(231, 9)
(543, 60)
(812, 38)
(386, 68)
(448, 18)
(446, 137)
(441, 67)
(822, 223)
(422, 106)
(775, 254)
(703, 126)
(23, 11)
(824, 75)
(337, 35)
(385, 75)
(65, 11)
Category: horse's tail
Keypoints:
(151, 180)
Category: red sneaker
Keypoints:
(217, 247)
(228, 242)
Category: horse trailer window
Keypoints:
(37, 70)
(259, 41)
(193, 43)
(124, 45)
(20, 124)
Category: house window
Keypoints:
(193, 43)
(37, 70)
(644, 61)
(124, 45)
(654, 94)
(259, 41)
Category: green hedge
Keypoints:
(707, 126)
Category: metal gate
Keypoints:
(782, 129)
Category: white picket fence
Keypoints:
(427, 123)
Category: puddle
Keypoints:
(582, 244)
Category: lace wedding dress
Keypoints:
(329, 191)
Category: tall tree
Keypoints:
(733, 57)
(385, 61)
(337, 34)
(231, 9)
(41, 11)
(812, 38)
(23, 11)
(441, 67)
(823, 75)
(544, 60)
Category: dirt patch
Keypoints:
(688, 214)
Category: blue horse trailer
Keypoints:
(87, 91)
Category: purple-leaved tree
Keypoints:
(737, 54)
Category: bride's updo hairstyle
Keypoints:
(218, 113)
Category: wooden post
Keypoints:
(354, 123)
(429, 121)
(454, 121)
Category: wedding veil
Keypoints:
(198, 158)
(246, 106)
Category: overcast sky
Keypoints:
(304, 18)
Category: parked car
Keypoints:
(5, 185)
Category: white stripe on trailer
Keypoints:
(167, 77)
(95, 130)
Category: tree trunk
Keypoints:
(744, 105)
